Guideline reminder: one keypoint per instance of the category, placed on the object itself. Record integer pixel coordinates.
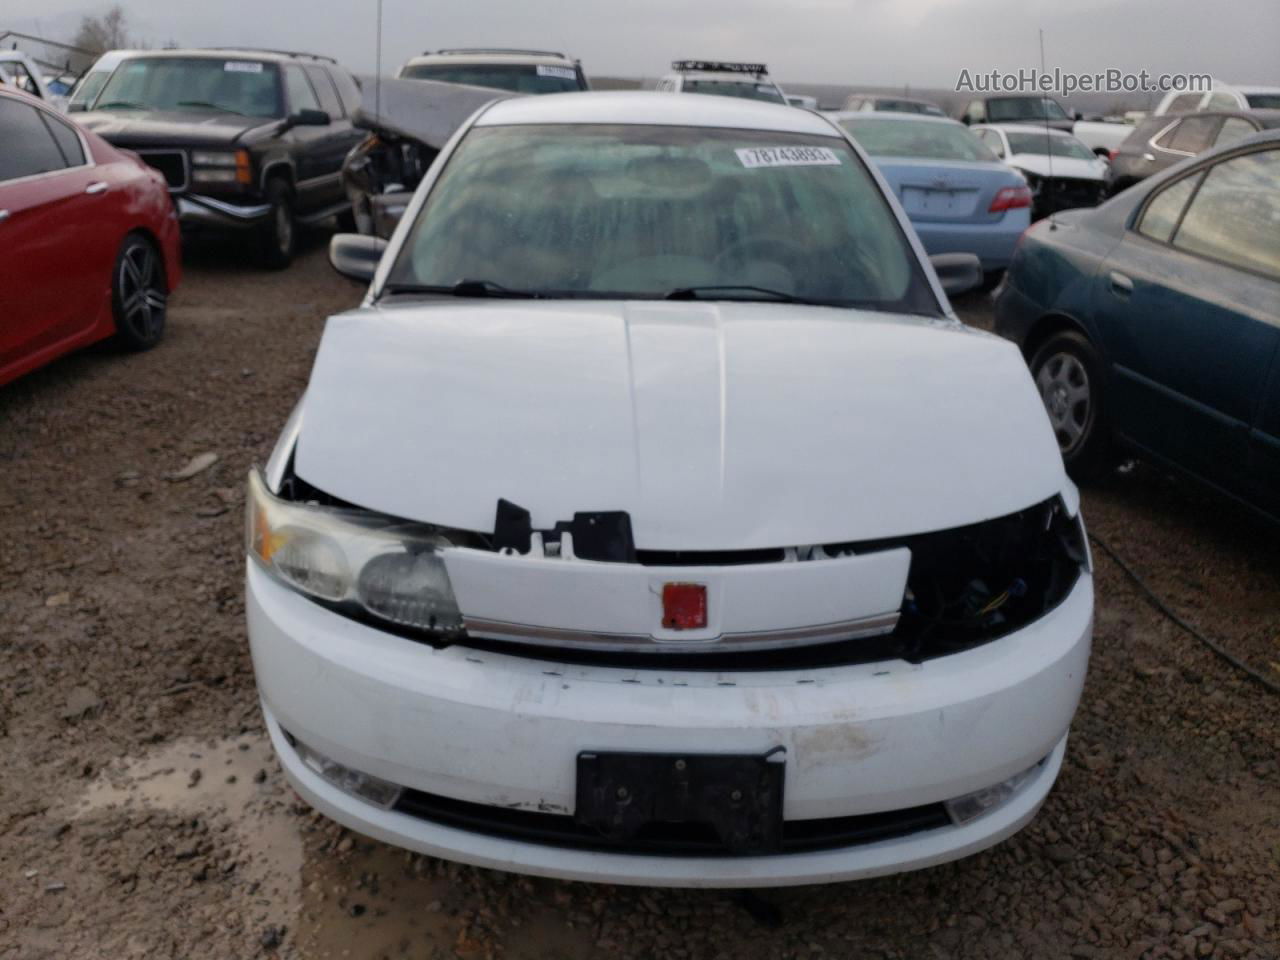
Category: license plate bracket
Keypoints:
(738, 795)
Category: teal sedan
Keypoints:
(1151, 323)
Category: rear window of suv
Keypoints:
(515, 77)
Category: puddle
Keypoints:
(191, 776)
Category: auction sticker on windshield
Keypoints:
(788, 157)
(241, 66)
(562, 73)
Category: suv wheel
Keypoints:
(279, 232)
(139, 296)
(1068, 373)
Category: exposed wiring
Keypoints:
(1154, 599)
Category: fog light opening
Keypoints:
(370, 789)
(965, 809)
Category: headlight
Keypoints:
(213, 176)
(356, 561)
(212, 158)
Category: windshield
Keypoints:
(1024, 108)
(515, 77)
(644, 212)
(1045, 143)
(908, 106)
(246, 87)
(917, 138)
(745, 89)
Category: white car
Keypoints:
(1062, 172)
(1220, 96)
(747, 81)
(655, 521)
(517, 71)
(21, 72)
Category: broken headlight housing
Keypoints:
(360, 563)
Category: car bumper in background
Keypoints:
(490, 737)
(992, 243)
(197, 210)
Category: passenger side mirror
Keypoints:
(1077, 115)
(957, 272)
(356, 256)
(307, 118)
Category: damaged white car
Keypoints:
(655, 521)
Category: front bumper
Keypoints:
(506, 731)
(197, 210)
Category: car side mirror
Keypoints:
(1077, 115)
(356, 256)
(957, 272)
(307, 118)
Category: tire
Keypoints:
(139, 294)
(1068, 374)
(278, 236)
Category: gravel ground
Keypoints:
(142, 814)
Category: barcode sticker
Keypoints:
(753, 157)
(241, 66)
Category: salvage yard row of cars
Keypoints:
(702, 454)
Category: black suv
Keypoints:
(247, 139)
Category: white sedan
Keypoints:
(655, 521)
(1062, 172)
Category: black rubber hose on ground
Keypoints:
(1154, 599)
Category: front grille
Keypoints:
(666, 839)
(171, 163)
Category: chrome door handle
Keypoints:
(1121, 284)
(4, 215)
(98, 186)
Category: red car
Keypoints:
(88, 240)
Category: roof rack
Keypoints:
(279, 53)
(719, 66)
(469, 50)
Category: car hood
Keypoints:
(715, 426)
(1069, 168)
(168, 127)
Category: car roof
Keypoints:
(838, 115)
(495, 56)
(222, 53)
(1256, 89)
(655, 109)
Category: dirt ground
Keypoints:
(143, 815)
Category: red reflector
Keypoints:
(684, 606)
(1010, 198)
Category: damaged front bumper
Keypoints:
(477, 753)
(198, 210)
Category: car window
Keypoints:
(323, 86)
(1263, 101)
(637, 211)
(298, 89)
(927, 139)
(19, 76)
(1163, 210)
(88, 87)
(1235, 215)
(1184, 103)
(743, 89)
(1192, 135)
(1042, 143)
(1221, 101)
(29, 147)
(1233, 129)
(247, 87)
(68, 140)
(992, 140)
(1024, 108)
(515, 77)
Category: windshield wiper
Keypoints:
(466, 288)
(121, 104)
(211, 106)
(696, 293)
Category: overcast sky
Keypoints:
(919, 42)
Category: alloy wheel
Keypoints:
(1063, 382)
(142, 295)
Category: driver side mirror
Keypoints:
(356, 256)
(307, 118)
(1077, 115)
(957, 272)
